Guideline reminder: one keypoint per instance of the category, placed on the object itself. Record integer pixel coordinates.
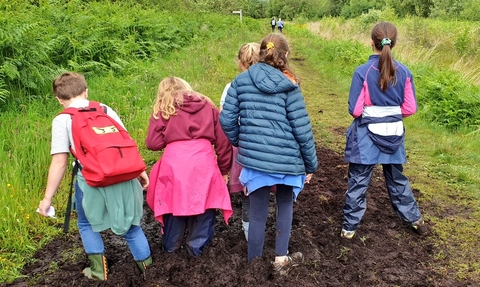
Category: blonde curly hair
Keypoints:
(170, 95)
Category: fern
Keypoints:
(3, 93)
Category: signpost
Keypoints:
(238, 12)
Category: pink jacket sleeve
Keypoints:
(409, 106)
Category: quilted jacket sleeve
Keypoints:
(230, 114)
(302, 129)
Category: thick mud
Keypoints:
(385, 251)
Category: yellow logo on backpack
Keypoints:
(105, 130)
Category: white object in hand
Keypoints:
(50, 211)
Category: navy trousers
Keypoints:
(399, 191)
(199, 228)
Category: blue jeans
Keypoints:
(93, 242)
(259, 202)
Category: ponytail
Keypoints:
(384, 37)
(386, 66)
(274, 49)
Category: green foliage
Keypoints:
(471, 10)
(466, 42)
(356, 8)
(3, 93)
(24, 62)
(89, 37)
(369, 19)
(448, 100)
(315, 9)
(447, 8)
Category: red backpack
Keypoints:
(105, 150)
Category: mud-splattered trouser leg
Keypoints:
(359, 176)
(400, 193)
(200, 230)
(137, 243)
(173, 231)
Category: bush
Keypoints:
(448, 100)
(38, 42)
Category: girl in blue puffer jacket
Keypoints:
(265, 116)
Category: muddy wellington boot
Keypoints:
(98, 267)
(142, 265)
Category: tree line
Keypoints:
(316, 9)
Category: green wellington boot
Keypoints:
(98, 267)
(142, 265)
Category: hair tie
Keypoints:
(270, 45)
(386, 41)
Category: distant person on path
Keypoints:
(265, 116)
(188, 182)
(274, 24)
(382, 93)
(118, 207)
(280, 25)
(247, 56)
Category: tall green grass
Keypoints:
(24, 150)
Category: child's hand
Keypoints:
(308, 178)
(44, 206)
(144, 180)
(225, 178)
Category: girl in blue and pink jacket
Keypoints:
(382, 93)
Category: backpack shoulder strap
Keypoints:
(93, 104)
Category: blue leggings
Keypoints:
(259, 202)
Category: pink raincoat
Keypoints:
(186, 181)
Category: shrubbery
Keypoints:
(448, 100)
(37, 42)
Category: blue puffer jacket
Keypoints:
(265, 116)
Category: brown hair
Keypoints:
(69, 85)
(170, 95)
(273, 51)
(248, 54)
(384, 37)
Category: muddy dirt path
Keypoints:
(385, 252)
